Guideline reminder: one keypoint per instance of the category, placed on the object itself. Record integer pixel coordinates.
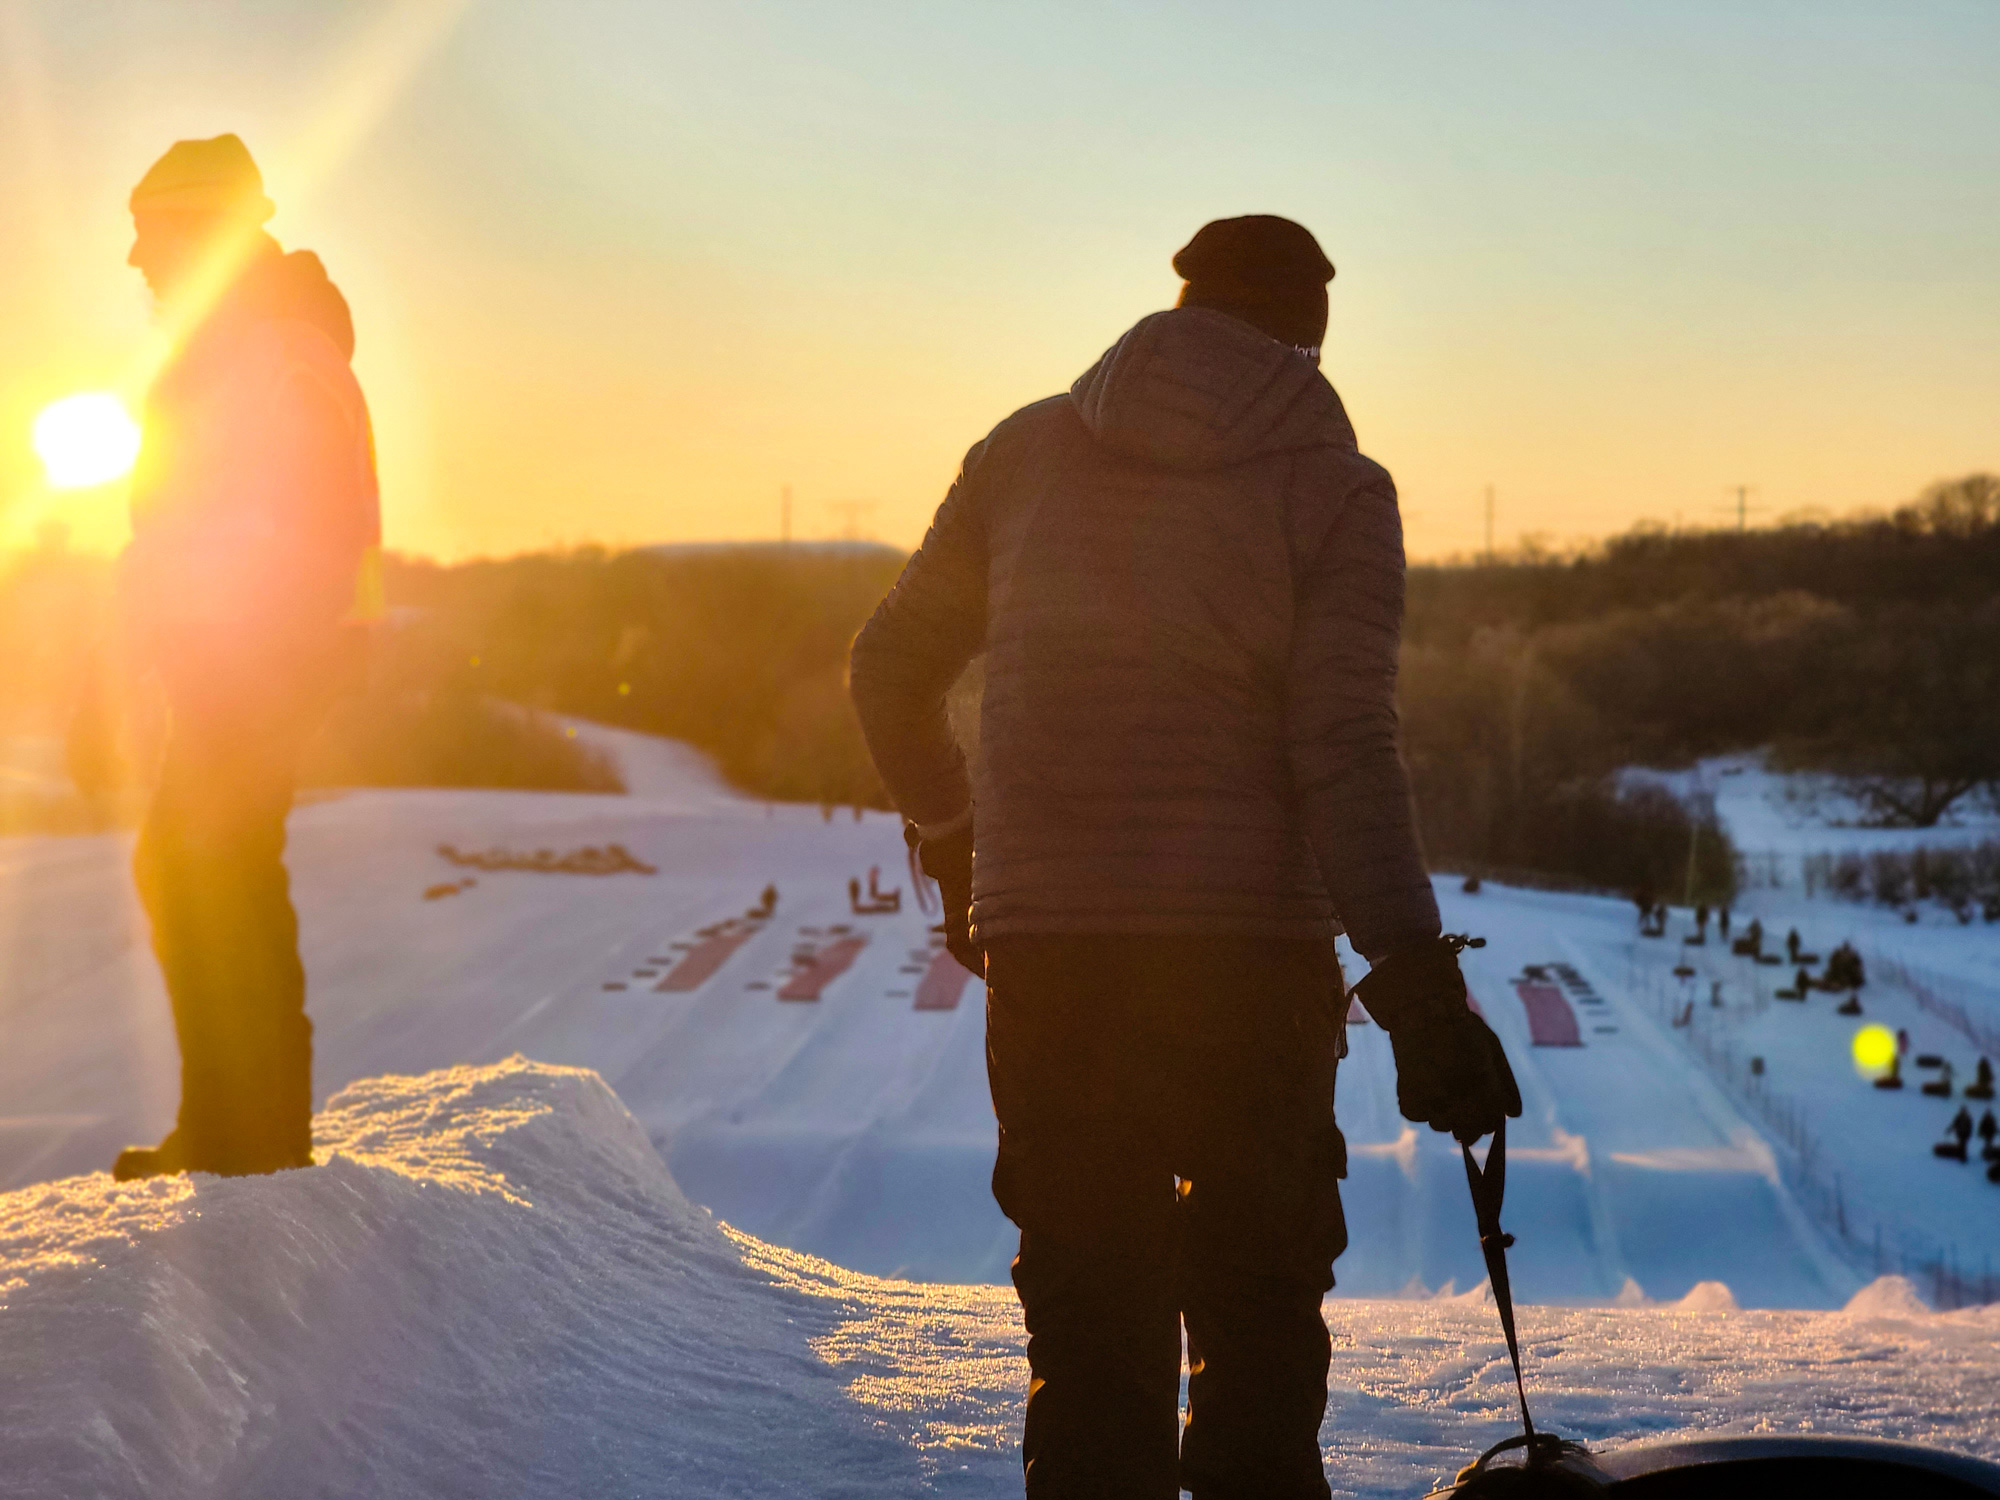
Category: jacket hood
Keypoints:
(1197, 389)
(297, 286)
(294, 286)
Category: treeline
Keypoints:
(739, 650)
(1962, 878)
(85, 733)
(1867, 648)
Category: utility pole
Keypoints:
(785, 515)
(1742, 492)
(1489, 524)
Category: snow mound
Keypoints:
(491, 1286)
(1888, 1297)
(1707, 1296)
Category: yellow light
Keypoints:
(85, 440)
(1874, 1051)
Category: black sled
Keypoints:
(1728, 1468)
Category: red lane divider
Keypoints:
(827, 965)
(1551, 1023)
(943, 983)
(699, 963)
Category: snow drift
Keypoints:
(492, 1286)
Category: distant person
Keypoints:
(1722, 923)
(1187, 584)
(252, 565)
(1981, 1086)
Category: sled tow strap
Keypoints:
(1489, 1191)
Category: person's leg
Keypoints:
(1079, 1086)
(210, 869)
(1262, 1222)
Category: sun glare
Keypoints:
(85, 440)
(1874, 1050)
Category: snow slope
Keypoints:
(857, 1128)
(492, 1286)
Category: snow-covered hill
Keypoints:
(492, 1286)
(857, 1127)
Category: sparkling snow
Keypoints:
(493, 1286)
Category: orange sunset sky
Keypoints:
(621, 269)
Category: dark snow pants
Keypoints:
(210, 867)
(1168, 1149)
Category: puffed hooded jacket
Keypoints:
(255, 514)
(1187, 584)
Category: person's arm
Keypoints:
(913, 649)
(1346, 756)
(321, 492)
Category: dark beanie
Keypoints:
(1267, 271)
(215, 176)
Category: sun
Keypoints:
(86, 439)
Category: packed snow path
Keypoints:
(857, 1126)
(492, 1286)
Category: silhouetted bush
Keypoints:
(452, 738)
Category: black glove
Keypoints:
(1451, 1073)
(948, 861)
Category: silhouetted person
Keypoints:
(1981, 1086)
(1187, 584)
(1844, 970)
(254, 547)
(1958, 1147)
(1792, 945)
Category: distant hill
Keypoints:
(825, 547)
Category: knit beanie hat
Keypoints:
(209, 177)
(1265, 270)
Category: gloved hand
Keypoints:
(1451, 1073)
(948, 861)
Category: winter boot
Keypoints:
(164, 1160)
